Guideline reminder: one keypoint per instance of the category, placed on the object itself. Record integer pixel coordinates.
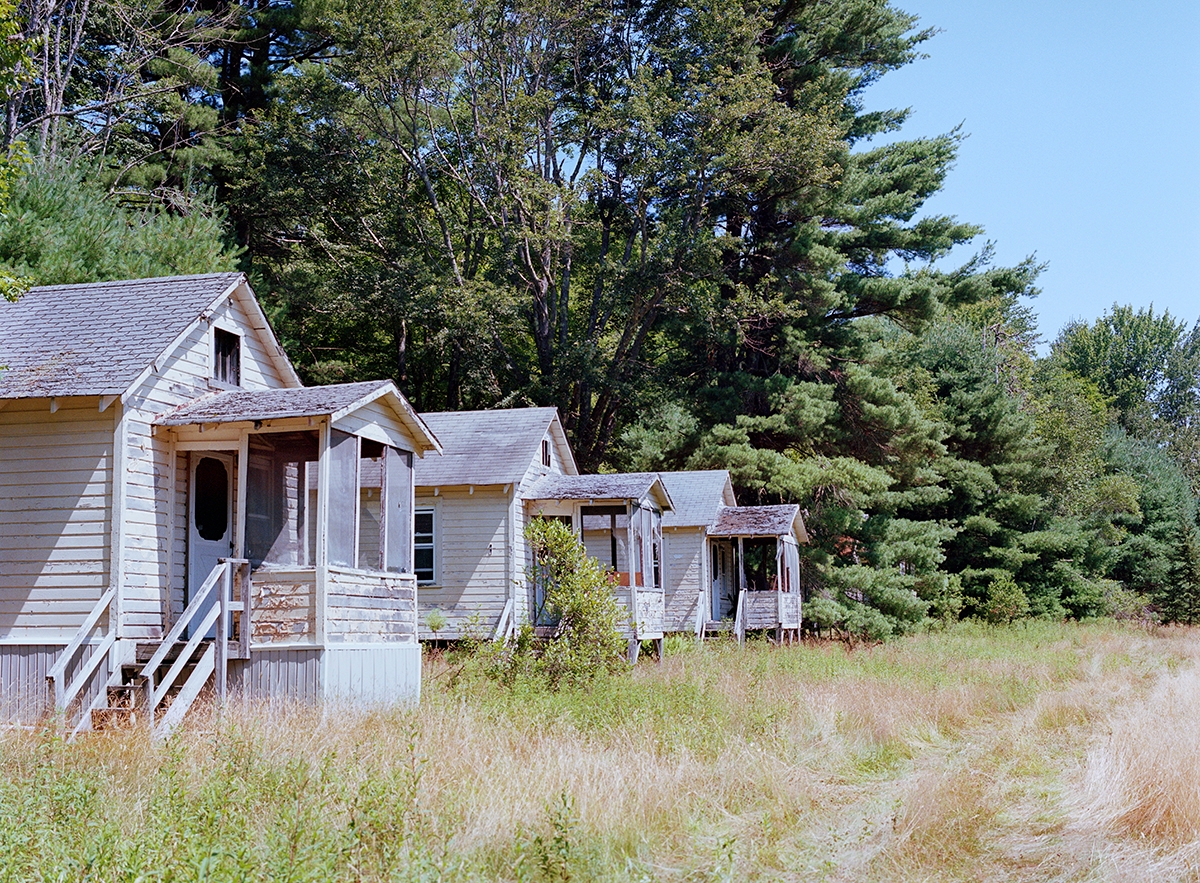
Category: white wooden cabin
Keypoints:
(471, 514)
(698, 497)
(619, 518)
(729, 566)
(755, 568)
(170, 491)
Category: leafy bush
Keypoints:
(585, 640)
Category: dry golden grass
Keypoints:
(1046, 752)
(1139, 788)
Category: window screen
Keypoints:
(370, 505)
(342, 530)
(281, 494)
(397, 522)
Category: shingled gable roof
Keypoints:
(759, 521)
(697, 495)
(100, 338)
(621, 486)
(490, 447)
(336, 400)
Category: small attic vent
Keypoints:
(227, 357)
(545, 452)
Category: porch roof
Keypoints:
(759, 521)
(626, 486)
(334, 401)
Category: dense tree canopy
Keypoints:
(677, 223)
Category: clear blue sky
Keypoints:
(1084, 142)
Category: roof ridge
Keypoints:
(490, 410)
(144, 280)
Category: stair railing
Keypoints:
(504, 626)
(214, 660)
(65, 692)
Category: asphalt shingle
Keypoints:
(626, 486)
(240, 406)
(95, 339)
(484, 447)
(697, 496)
(755, 521)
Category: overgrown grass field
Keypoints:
(1037, 752)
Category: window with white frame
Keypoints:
(424, 532)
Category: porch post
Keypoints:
(117, 535)
(242, 473)
(322, 568)
(172, 516)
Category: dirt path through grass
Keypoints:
(1014, 797)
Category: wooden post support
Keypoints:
(244, 625)
(225, 589)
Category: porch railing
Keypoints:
(226, 614)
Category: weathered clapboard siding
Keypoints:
(650, 613)
(284, 606)
(278, 675)
(175, 591)
(378, 422)
(146, 532)
(471, 533)
(373, 673)
(789, 610)
(598, 544)
(154, 554)
(684, 559)
(370, 607)
(259, 370)
(55, 527)
(761, 609)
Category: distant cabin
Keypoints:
(619, 519)
(685, 557)
(498, 470)
(698, 496)
(754, 572)
(729, 566)
(178, 512)
(471, 513)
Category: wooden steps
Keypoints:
(127, 698)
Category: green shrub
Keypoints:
(1005, 600)
(585, 638)
(435, 620)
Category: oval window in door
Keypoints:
(212, 499)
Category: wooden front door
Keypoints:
(210, 520)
